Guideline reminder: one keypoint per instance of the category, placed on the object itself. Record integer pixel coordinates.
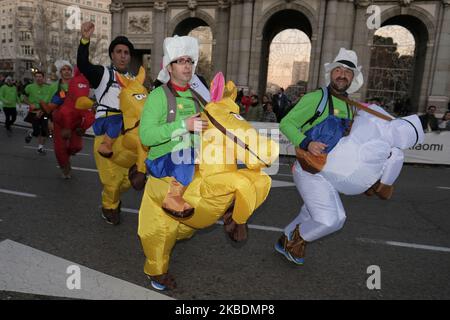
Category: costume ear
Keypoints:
(141, 75)
(122, 81)
(230, 91)
(217, 87)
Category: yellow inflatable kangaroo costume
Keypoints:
(219, 188)
(128, 153)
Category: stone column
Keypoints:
(440, 90)
(362, 41)
(222, 28)
(338, 31)
(116, 9)
(233, 39)
(245, 43)
(159, 34)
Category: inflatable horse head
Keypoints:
(230, 138)
(359, 159)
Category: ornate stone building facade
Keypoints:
(243, 30)
(35, 33)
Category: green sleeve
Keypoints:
(52, 90)
(2, 98)
(154, 129)
(291, 124)
(27, 90)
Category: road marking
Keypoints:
(445, 188)
(28, 270)
(21, 194)
(405, 245)
(48, 149)
(251, 226)
(84, 169)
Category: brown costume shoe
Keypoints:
(384, 191)
(174, 204)
(105, 148)
(294, 249)
(236, 232)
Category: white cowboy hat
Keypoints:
(61, 63)
(347, 59)
(176, 47)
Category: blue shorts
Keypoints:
(165, 167)
(111, 125)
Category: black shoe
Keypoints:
(41, 151)
(112, 216)
(28, 138)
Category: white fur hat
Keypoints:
(347, 59)
(61, 63)
(175, 47)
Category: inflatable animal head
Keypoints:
(132, 97)
(228, 129)
(78, 85)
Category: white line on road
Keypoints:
(84, 169)
(22, 194)
(405, 245)
(445, 188)
(47, 149)
(251, 226)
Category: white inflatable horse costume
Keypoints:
(368, 160)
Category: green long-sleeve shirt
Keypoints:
(304, 110)
(9, 96)
(155, 132)
(36, 94)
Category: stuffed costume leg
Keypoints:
(113, 177)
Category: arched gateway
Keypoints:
(242, 31)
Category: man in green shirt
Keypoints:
(166, 136)
(35, 93)
(9, 98)
(322, 212)
(168, 121)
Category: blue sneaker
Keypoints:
(158, 286)
(280, 247)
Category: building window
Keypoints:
(27, 50)
(92, 18)
(24, 35)
(105, 20)
(28, 65)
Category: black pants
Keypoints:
(10, 116)
(40, 127)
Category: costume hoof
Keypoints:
(106, 155)
(180, 214)
(137, 179)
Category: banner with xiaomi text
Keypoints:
(434, 150)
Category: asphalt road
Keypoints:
(407, 237)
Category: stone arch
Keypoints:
(186, 21)
(277, 18)
(422, 26)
